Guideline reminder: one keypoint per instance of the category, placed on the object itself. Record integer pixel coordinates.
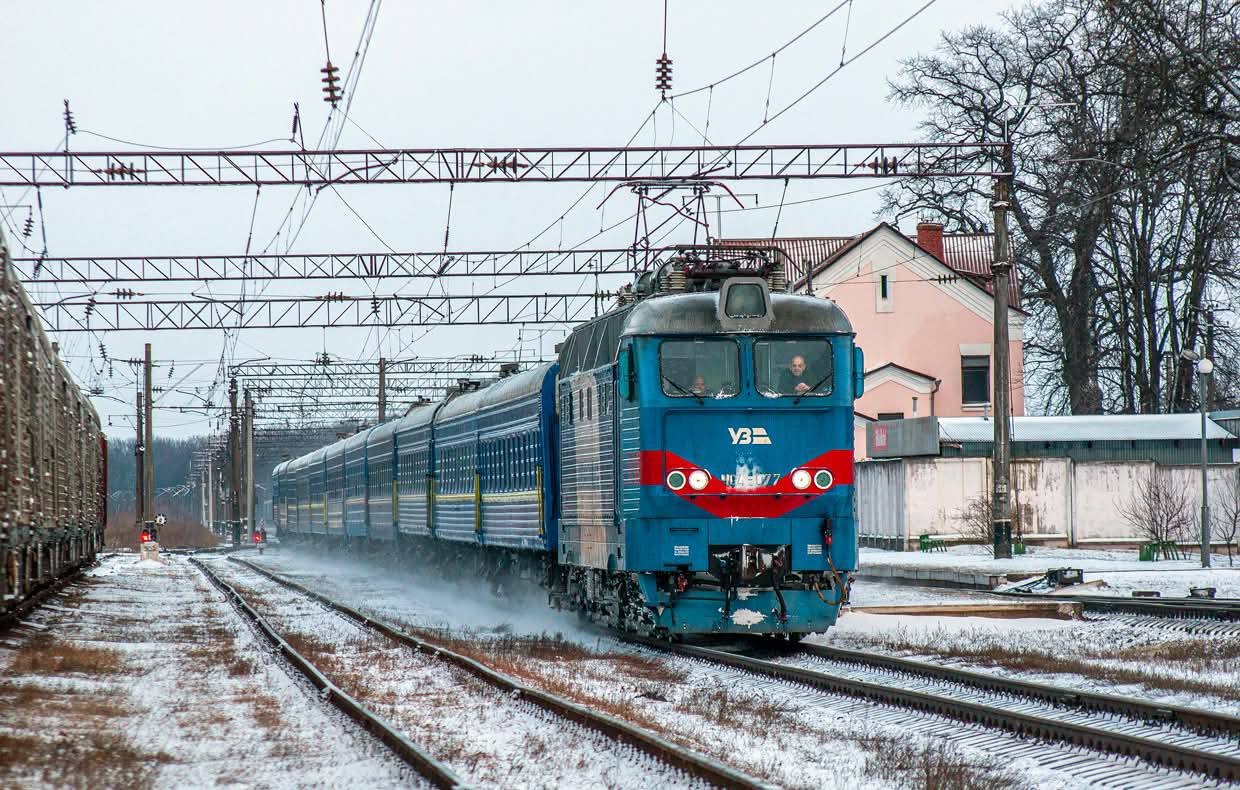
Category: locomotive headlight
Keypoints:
(698, 479)
(675, 479)
(800, 479)
(823, 479)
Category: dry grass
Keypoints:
(739, 709)
(122, 532)
(932, 766)
(47, 655)
(86, 759)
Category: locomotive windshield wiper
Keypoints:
(814, 388)
(680, 388)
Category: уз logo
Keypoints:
(753, 435)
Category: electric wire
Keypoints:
(764, 58)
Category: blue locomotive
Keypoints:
(686, 466)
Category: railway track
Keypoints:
(1185, 751)
(665, 752)
(413, 755)
(1201, 722)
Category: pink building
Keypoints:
(923, 311)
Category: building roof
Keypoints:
(968, 254)
(1086, 428)
(907, 370)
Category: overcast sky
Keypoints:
(533, 73)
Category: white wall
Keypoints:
(1059, 501)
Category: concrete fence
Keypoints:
(1060, 501)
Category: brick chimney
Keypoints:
(930, 238)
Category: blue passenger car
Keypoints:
(380, 484)
(356, 485)
(314, 483)
(492, 464)
(333, 473)
(415, 483)
(279, 499)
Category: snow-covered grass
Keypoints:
(142, 676)
(1120, 571)
(487, 737)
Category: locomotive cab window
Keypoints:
(799, 368)
(700, 368)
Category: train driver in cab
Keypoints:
(796, 379)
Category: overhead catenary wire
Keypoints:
(764, 58)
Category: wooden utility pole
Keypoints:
(382, 389)
(1001, 463)
(148, 446)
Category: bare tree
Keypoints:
(1225, 525)
(976, 520)
(1125, 129)
(1157, 510)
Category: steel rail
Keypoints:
(1200, 721)
(421, 761)
(1218, 767)
(690, 762)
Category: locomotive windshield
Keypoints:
(799, 367)
(700, 368)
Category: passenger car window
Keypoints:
(797, 367)
(700, 368)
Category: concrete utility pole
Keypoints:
(1001, 465)
(234, 460)
(211, 490)
(1205, 366)
(249, 464)
(382, 389)
(148, 446)
(139, 495)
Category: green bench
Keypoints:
(927, 543)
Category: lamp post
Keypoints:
(1204, 368)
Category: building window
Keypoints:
(882, 293)
(883, 416)
(975, 380)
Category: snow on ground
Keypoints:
(487, 737)
(144, 677)
(1120, 570)
(867, 592)
(781, 732)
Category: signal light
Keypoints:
(258, 538)
(145, 537)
